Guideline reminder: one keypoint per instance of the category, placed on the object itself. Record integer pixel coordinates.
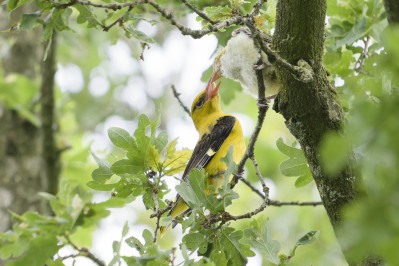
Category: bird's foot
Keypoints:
(239, 174)
(259, 67)
(263, 104)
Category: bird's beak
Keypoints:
(211, 90)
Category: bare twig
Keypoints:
(84, 252)
(263, 107)
(196, 34)
(162, 211)
(156, 210)
(257, 6)
(362, 58)
(198, 12)
(278, 203)
(177, 96)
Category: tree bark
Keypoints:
(312, 109)
(20, 160)
(392, 10)
(27, 152)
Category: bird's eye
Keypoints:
(200, 103)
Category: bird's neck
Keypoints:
(205, 124)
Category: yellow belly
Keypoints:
(215, 165)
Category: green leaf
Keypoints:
(304, 240)
(28, 20)
(236, 252)
(193, 240)
(175, 161)
(101, 187)
(227, 194)
(120, 138)
(36, 254)
(147, 235)
(125, 229)
(259, 236)
(86, 14)
(189, 221)
(219, 257)
(188, 195)
(358, 31)
(161, 141)
(296, 165)
(334, 151)
(13, 4)
(138, 35)
(288, 150)
(303, 180)
(195, 193)
(153, 158)
(135, 243)
(102, 173)
(124, 166)
(166, 221)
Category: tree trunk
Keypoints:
(24, 147)
(312, 109)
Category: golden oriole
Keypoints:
(237, 61)
(217, 132)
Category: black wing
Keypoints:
(207, 147)
(209, 144)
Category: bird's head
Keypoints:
(207, 102)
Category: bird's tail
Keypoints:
(178, 209)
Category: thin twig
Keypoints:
(177, 96)
(156, 210)
(196, 34)
(278, 203)
(249, 153)
(362, 58)
(84, 252)
(254, 189)
(162, 211)
(118, 20)
(262, 109)
(256, 8)
(198, 12)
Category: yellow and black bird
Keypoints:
(217, 132)
(237, 61)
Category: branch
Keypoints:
(303, 72)
(176, 94)
(362, 58)
(198, 12)
(118, 20)
(196, 34)
(50, 153)
(256, 8)
(84, 252)
(279, 203)
(249, 153)
(262, 109)
(156, 209)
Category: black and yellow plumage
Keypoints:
(217, 131)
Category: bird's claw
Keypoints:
(259, 67)
(264, 104)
